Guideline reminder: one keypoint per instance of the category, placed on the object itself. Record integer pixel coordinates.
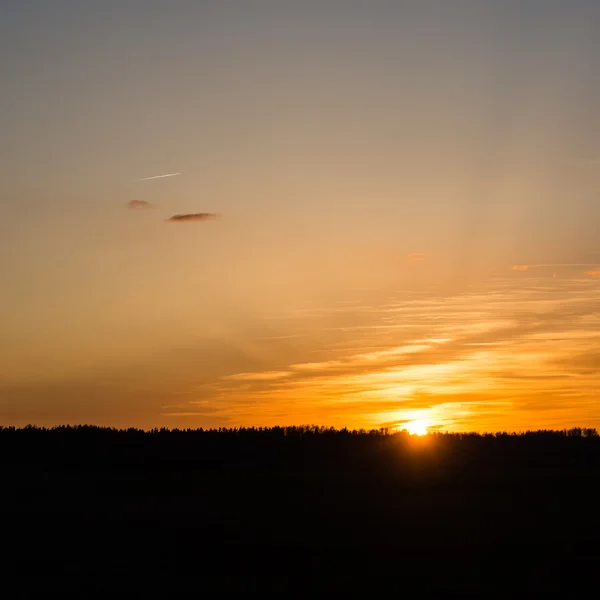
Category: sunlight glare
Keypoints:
(417, 427)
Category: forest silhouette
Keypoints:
(299, 510)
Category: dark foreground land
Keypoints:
(299, 511)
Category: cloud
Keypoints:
(594, 273)
(486, 359)
(520, 268)
(139, 204)
(580, 364)
(265, 376)
(194, 217)
(416, 256)
(282, 337)
(553, 265)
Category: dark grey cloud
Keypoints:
(194, 217)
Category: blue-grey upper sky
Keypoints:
(333, 139)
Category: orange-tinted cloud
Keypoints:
(594, 273)
(416, 256)
(139, 204)
(265, 376)
(520, 268)
(194, 217)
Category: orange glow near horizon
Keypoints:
(469, 362)
(495, 372)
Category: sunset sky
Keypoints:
(386, 212)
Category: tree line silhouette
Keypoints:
(291, 509)
(295, 447)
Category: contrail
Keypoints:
(158, 176)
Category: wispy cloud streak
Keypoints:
(497, 356)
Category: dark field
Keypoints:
(300, 511)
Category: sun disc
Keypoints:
(417, 427)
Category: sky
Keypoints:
(379, 213)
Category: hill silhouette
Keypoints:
(299, 510)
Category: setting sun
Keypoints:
(417, 427)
